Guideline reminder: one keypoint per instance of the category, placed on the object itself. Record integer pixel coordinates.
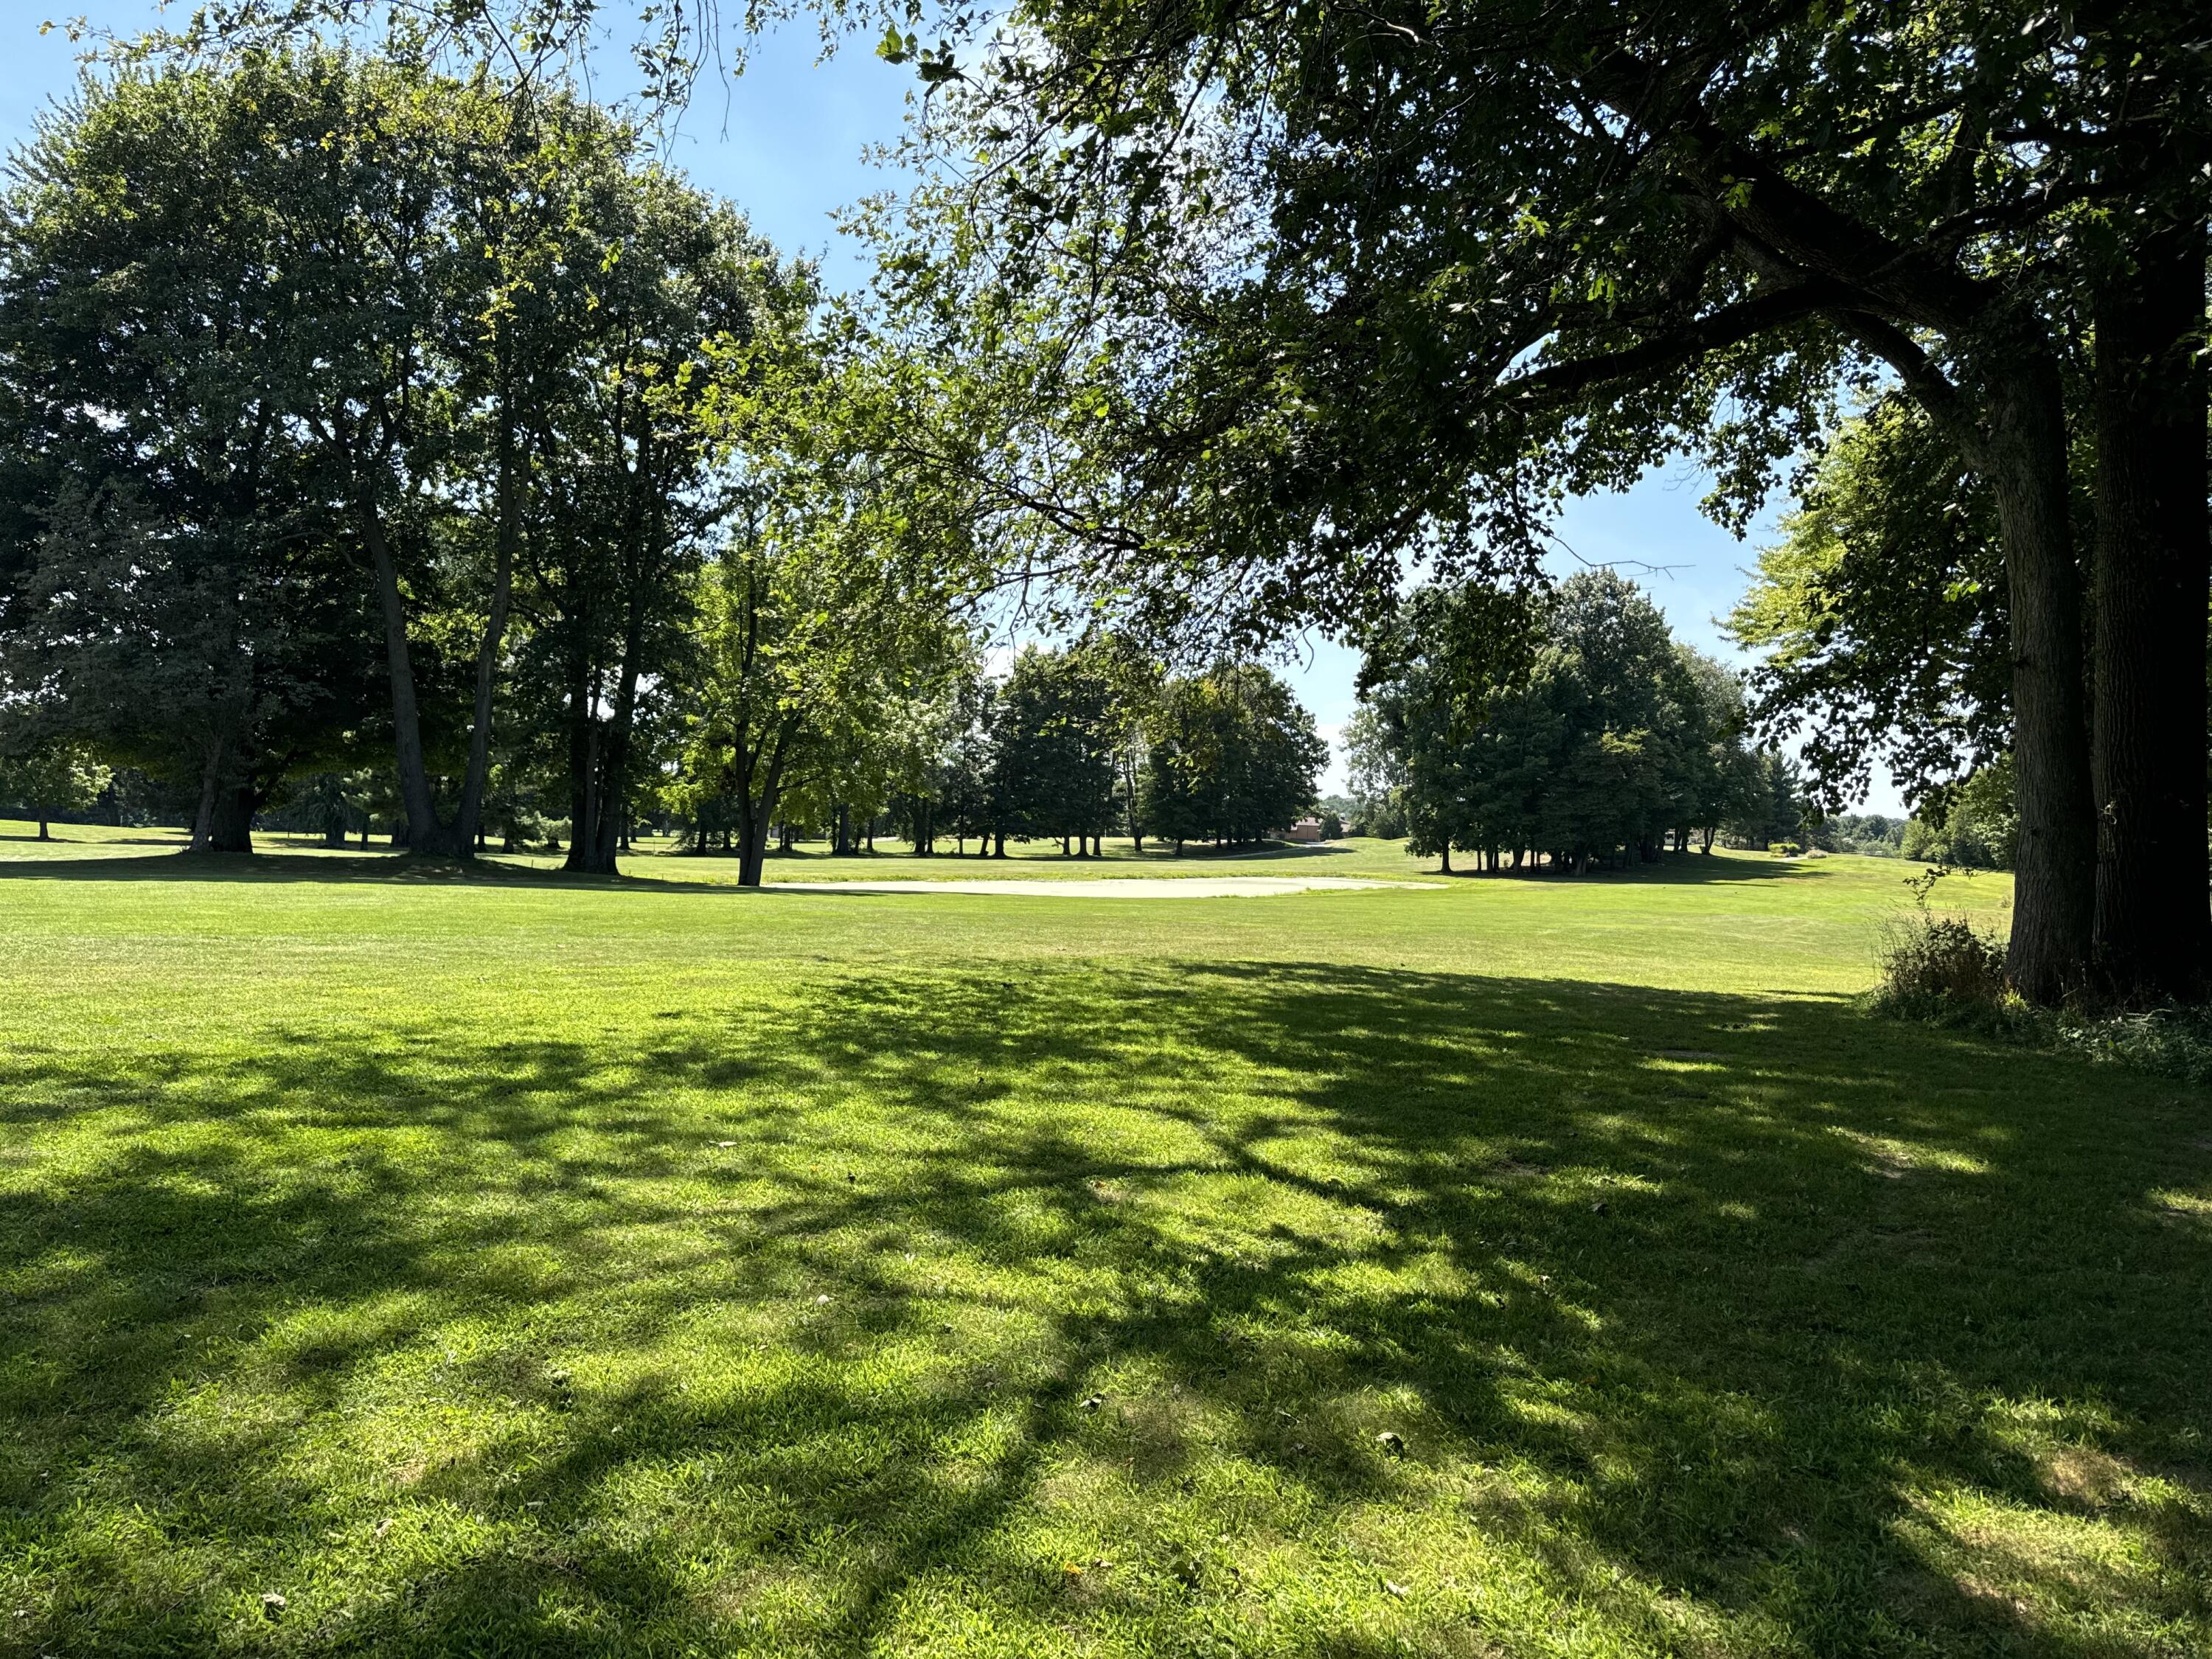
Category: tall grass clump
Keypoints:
(1942, 970)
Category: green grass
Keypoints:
(661, 858)
(519, 1265)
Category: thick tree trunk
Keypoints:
(44, 834)
(757, 807)
(223, 822)
(583, 779)
(2054, 886)
(2018, 446)
(752, 856)
(230, 828)
(2153, 933)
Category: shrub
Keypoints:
(2172, 1041)
(1943, 971)
(1943, 967)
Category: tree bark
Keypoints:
(426, 833)
(223, 822)
(2054, 883)
(583, 766)
(231, 827)
(2153, 931)
(753, 855)
(468, 820)
(610, 795)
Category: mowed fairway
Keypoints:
(1516, 1267)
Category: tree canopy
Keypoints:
(1609, 738)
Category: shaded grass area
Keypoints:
(822, 1276)
(665, 857)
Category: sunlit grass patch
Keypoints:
(505, 1267)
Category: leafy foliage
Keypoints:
(55, 777)
(1609, 736)
(1232, 757)
(1880, 614)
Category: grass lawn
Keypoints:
(660, 858)
(524, 1265)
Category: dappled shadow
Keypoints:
(796, 1327)
(1675, 869)
(285, 866)
(290, 865)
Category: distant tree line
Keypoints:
(1069, 745)
(1597, 739)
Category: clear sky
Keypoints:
(786, 142)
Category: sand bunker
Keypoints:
(1129, 887)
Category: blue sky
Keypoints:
(786, 142)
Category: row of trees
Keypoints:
(1237, 310)
(345, 407)
(420, 447)
(1068, 745)
(1598, 735)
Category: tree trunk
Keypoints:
(44, 834)
(598, 853)
(468, 836)
(425, 833)
(231, 827)
(752, 856)
(1447, 858)
(583, 774)
(2054, 886)
(223, 822)
(2154, 933)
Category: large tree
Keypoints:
(1230, 756)
(1349, 285)
(1605, 736)
(179, 596)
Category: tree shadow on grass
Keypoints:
(284, 865)
(881, 1316)
(288, 866)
